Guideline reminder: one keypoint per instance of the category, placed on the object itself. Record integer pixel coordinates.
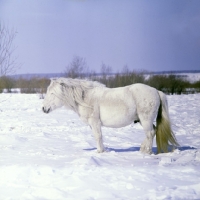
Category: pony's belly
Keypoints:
(117, 117)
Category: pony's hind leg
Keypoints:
(146, 146)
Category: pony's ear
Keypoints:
(62, 84)
(53, 79)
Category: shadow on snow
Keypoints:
(134, 149)
(186, 148)
(130, 149)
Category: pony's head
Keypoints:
(53, 97)
(68, 92)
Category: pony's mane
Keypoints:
(75, 91)
(80, 83)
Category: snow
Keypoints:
(191, 77)
(53, 156)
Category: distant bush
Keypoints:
(6, 83)
(170, 84)
(124, 78)
(196, 86)
(33, 85)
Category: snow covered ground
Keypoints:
(191, 77)
(54, 156)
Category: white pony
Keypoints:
(99, 106)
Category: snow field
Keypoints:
(53, 156)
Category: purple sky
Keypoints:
(149, 35)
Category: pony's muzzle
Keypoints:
(46, 110)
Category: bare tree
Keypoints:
(8, 63)
(105, 70)
(77, 68)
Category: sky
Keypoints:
(156, 35)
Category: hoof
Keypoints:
(146, 150)
(100, 151)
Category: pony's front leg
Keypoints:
(95, 125)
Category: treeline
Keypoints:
(30, 86)
(169, 84)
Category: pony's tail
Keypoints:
(164, 133)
